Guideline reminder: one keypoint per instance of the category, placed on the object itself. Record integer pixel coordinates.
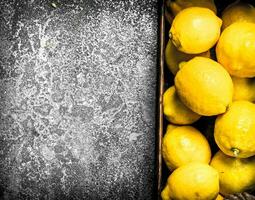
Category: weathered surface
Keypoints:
(77, 99)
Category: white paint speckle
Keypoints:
(47, 153)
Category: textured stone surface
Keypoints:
(77, 99)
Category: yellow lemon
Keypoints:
(175, 111)
(192, 181)
(236, 49)
(219, 197)
(173, 57)
(178, 5)
(238, 11)
(204, 86)
(184, 144)
(195, 30)
(236, 174)
(244, 89)
(165, 194)
(234, 130)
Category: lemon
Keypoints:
(236, 49)
(184, 144)
(192, 181)
(244, 89)
(219, 197)
(174, 57)
(238, 11)
(178, 5)
(195, 30)
(165, 194)
(234, 130)
(175, 111)
(236, 174)
(204, 86)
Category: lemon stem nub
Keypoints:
(170, 35)
(174, 40)
(235, 151)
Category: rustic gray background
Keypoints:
(77, 99)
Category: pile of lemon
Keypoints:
(222, 87)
